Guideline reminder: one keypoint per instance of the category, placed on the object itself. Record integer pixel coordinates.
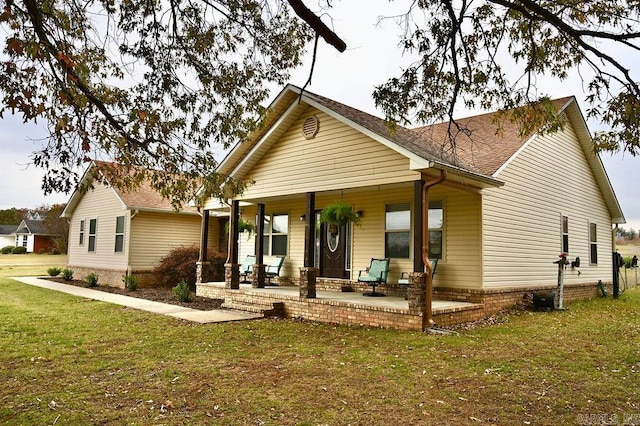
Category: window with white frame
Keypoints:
(593, 244)
(564, 226)
(24, 241)
(81, 242)
(119, 234)
(276, 234)
(397, 230)
(93, 230)
(436, 229)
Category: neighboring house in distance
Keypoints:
(7, 236)
(508, 207)
(113, 233)
(34, 235)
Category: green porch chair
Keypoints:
(375, 275)
(246, 268)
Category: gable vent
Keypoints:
(310, 127)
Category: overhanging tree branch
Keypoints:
(318, 26)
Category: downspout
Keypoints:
(134, 214)
(427, 321)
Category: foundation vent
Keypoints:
(310, 127)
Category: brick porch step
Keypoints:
(258, 306)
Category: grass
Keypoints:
(22, 265)
(629, 249)
(67, 360)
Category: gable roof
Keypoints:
(30, 226)
(143, 198)
(479, 157)
(292, 102)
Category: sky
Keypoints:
(372, 56)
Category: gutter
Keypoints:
(427, 321)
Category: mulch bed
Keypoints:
(157, 294)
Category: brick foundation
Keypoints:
(485, 303)
(111, 277)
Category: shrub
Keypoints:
(19, 250)
(182, 292)
(92, 279)
(54, 272)
(7, 249)
(180, 265)
(67, 274)
(130, 282)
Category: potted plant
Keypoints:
(338, 213)
(243, 226)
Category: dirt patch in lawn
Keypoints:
(156, 294)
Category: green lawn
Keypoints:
(66, 360)
(21, 265)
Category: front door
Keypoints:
(333, 250)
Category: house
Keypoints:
(507, 207)
(7, 236)
(34, 235)
(114, 233)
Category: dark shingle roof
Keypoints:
(29, 226)
(145, 197)
(7, 229)
(474, 145)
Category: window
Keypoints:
(593, 244)
(565, 234)
(119, 234)
(276, 230)
(436, 227)
(81, 232)
(93, 225)
(397, 233)
(24, 241)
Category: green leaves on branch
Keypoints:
(490, 54)
(151, 85)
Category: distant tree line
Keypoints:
(629, 235)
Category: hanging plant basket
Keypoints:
(338, 213)
(243, 226)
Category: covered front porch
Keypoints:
(341, 307)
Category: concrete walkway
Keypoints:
(195, 315)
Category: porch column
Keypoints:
(231, 268)
(203, 266)
(310, 230)
(309, 273)
(259, 277)
(418, 264)
(416, 293)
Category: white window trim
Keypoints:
(270, 234)
(562, 233)
(591, 243)
(116, 234)
(95, 237)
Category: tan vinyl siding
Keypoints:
(154, 235)
(459, 268)
(521, 223)
(102, 204)
(338, 157)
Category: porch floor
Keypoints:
(448, 311)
